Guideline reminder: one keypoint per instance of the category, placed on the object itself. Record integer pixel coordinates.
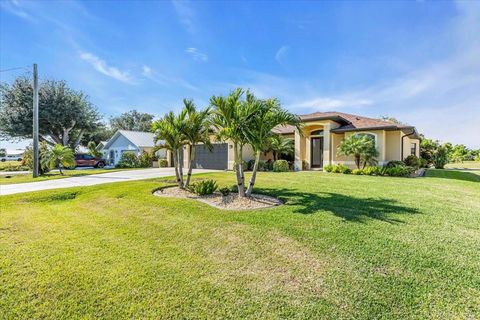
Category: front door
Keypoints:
(316, 152)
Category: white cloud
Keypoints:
(197, 55)
(15, 8)
(281, 54)
(163, 80)
(186, 14)
(102, 67)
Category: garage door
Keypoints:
(215, 159)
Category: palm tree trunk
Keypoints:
(254, 174)
(180, 167)
(190, 167)
(175, 164)
(241, 192)
(60, 169)
(237, 166)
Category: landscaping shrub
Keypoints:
(145, 160)
(28, 157)
(423, 163)
(250, 165)
(280, 166)
(412, 161)
(225, 191)
(394, 163)
(162, 163)
(341, 168)
(13, 166)
(244, 166)
(440, 158)
(128, 160)
(328, 168)
(400, 171)
(369, 171)
(357, 171)
(203, 187)
(304, 165)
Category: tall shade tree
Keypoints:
(59, 157)
(361, 147)
(279, 145)
(170, 130)
(65, 115)
(230, 118)
(268, 115)
(132, 120)
(196, 131)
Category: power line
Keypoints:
(11, 69)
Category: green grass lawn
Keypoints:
(342, 247)
(464, 165)
(467, 175)
(27, 177)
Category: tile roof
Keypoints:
(348, 122)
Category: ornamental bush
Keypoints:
(412, 161)
(280, 166)
(395, 163)
(357, 171)
(145, 160)
(400, 171)
(328, 168)
(128, 160)
(203, 187)
(162, 163)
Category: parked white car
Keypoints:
(13, 156)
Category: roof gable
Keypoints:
(138, 138)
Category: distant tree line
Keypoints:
(66, 116)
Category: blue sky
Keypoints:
(417, 61)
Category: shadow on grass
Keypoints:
(346, 207)
(452, 174)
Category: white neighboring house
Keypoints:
(132, 141)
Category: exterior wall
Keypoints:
(393, 145)
(120, 145)
(407, 147)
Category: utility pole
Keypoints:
(35, 122)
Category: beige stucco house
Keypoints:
(316, 146)
(322, 132)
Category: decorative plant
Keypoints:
(203, 187)
(58, 157)
(280, 166)
(128, 159)
(361, 147)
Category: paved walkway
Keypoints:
(91, 180)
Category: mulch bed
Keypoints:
(217, 200)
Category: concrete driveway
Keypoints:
(91, 180)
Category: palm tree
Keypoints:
(361, 147)
(230, 118)
(268, 115)
(58, 157)
(279, 145)
(196, 131)
(170, 130)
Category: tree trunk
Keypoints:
(357, 161)
(77, 141)
(65, 137)
(241, 192)
(191, 153)
(175, 164)
(254, 174)
(237, 165)
(60, 168)
(274, 156)
(180, 166)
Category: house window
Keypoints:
(368, 135)
(318, 133)
(413, 149)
